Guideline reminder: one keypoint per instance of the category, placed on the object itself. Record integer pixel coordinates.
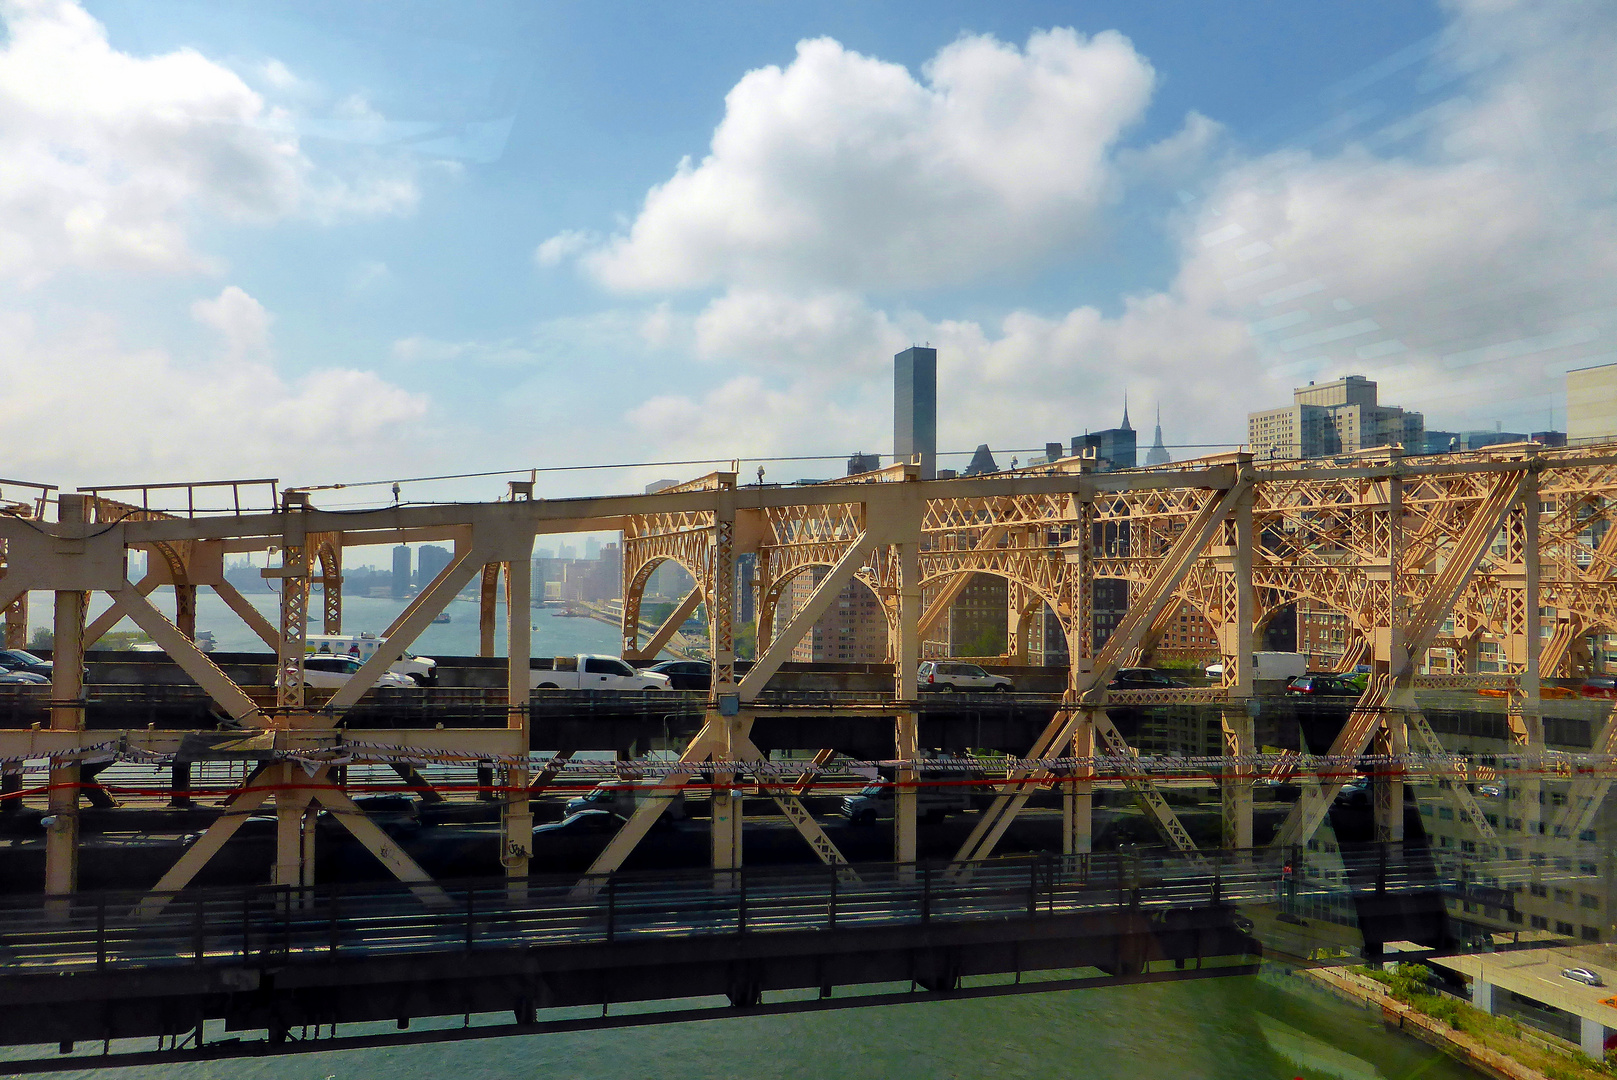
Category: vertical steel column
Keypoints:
(1078, 797)
(294, 575)
(1392, 740)
(728, 807)
(289, 843)
(721, 593)
(1238, 715)
(67, 714)
(1527, 730)
(517, 813)
(906, 728)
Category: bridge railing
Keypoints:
(225, 926)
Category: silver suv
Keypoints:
(949, 676)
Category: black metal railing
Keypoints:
(222, 926)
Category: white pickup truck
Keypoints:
(588, 671)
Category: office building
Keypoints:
(978, 618)
(401, 571)
(863, 463)
(1591, 403)
(1340, 417)
(982, 462)
(659, 485)
(853, 629)
(745, 602)
(915, 408)
(430, 561)
(1113, 448)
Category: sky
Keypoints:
(352, 242)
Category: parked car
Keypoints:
(1322, 686)
(588, 671)
(949, 676)
(1143, 678)
(1582, 975)
(22, 660)
(693, 674)
(27, 678)
(331, 672)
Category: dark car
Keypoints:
(693, 674)
(27, 678)
(1143, 678)
(1322, 686)
(22, 660)
(583, 823)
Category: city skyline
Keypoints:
(1156, 218)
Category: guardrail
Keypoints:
(234, 927)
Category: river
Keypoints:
(552, 635)
(1269, 1027)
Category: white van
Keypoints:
(422, 669)
(1269, 667)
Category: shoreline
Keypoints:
(1372, 996)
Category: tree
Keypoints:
(44, 638)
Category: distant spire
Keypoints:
(1158, 454)
(1125, 425)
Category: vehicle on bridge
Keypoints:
(1143, 678)
(624, 797)
(948, 676)
(694, 674)
(933, 802)
(1322, 686)
(589, 671)
(1268, 666)
(331, 672)
(422, 670)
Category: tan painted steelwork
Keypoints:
(1417, 553)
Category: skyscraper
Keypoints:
(1158, 454)
(1114, 448)
(429, 561)
(915, 408)
(1338, 417)
(401, 570)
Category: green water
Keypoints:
(1249, 1028)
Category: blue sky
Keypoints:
(337, 242)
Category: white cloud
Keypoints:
(240, 319)
(830, 333)
(155, 417)
(109, 159)
(1465, 263)
(844, 171)
(563, 246)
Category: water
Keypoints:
(552, 636)
(1247, 1028)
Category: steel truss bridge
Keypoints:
(1417, 553)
